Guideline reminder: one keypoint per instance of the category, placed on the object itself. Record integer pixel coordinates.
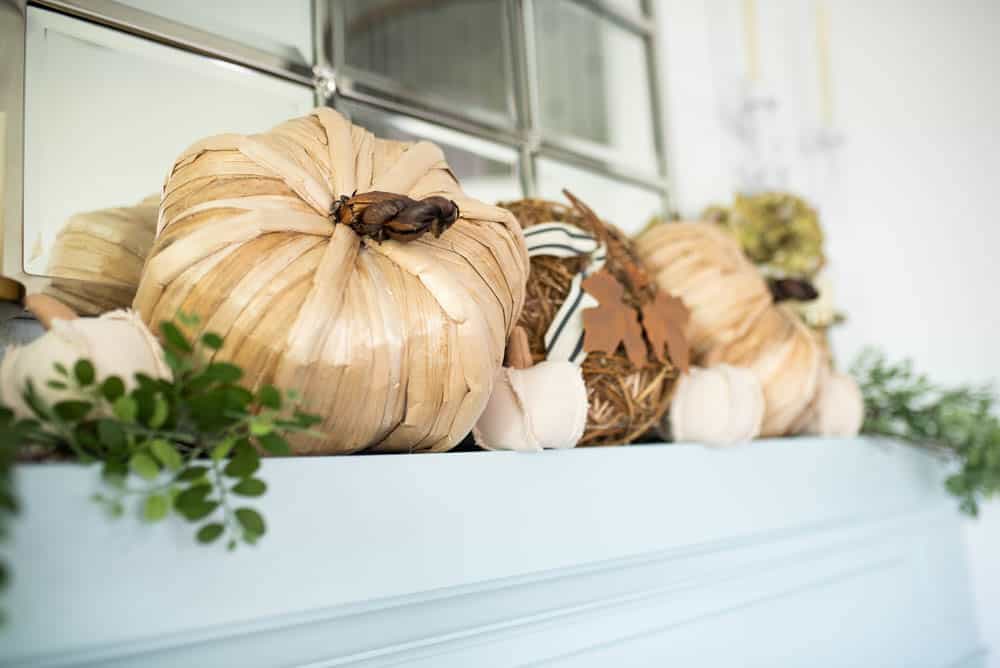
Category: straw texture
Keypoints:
(97, 256)
(395, 345)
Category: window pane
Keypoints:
(593, 84)
(452, 50)
(282, 28)
(487, 171)
(627, 7)
(106, 114)
(629, 207)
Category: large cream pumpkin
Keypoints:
(396, 345)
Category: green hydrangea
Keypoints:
(779, 232)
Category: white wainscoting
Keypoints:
(801, 552)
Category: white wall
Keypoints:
(907, 199)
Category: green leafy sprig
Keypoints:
(959, 423)
(188, 446)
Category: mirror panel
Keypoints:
(453, 51)
(107, 113)
(628, 206)
(280, 28)
(631, 8)
(487, 171)
(593, 85)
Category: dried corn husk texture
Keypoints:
(733, 319)
(395, 345)
(97, 256)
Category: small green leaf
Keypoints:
(61, 369)
(251, 520)
(85, 434)
(144, 466)
(56, 384)
(212, 340)
(83, 370)
(174, 337)
(176, 364)
(209, 533)
(112, 388)
(110, 434)
(192, 473)
(250, 487)
(126, 408)
(200, 511)
(237, 398)
(193, 504)
(192, 495)
(156, 507)
(270, 397)
(275, 445)
(222, 450)
(260, 427)
(161, 410)
(34, 402)
(307, 420)
(188, 319)
(242, 465)
(167, 454)
(72, 411)
(293, 395)
(223, 372)
(114, 473)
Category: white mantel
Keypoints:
(779, 553)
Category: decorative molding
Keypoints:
(590, 610)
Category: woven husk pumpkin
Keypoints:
(733, 318)
(97, 256)
(394, 344)
(625, 402)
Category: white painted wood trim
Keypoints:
(829, 552)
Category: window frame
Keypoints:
(332, 80)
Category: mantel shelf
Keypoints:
(797, 551)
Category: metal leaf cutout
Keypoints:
(612, 322)
(664, 320)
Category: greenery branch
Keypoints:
(188, 445)
(958, 423)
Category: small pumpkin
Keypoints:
(536, 408)
(839, 408)
(721, 405)
(116, 343)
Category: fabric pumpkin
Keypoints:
(541, 407)
(722, 405)
(839, 408)
(117, 343)
(396, 345)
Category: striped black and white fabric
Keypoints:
(564, 338)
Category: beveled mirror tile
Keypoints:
(107, 113)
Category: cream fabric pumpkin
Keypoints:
(721, 405)
(540, 407)
(117, 343)
(839, 409)
(395, 345)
